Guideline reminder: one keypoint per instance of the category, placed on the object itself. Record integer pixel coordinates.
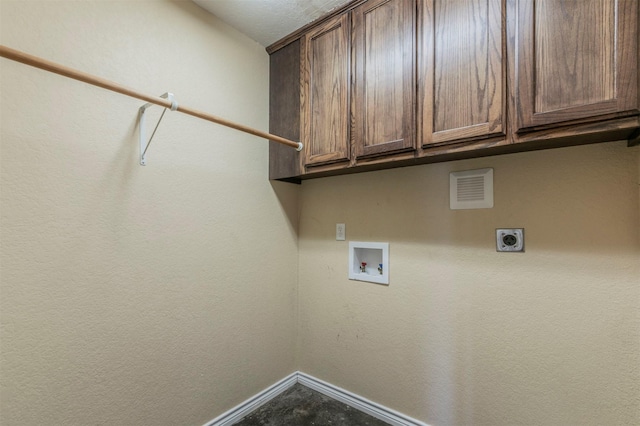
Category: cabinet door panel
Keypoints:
(384, 51)
(576, 59)
(325, 92)
(462, 76)
(284, 110)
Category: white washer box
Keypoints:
(374, 255)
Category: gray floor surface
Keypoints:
(301, 406)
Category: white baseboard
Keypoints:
(359, 403)
(251, 404)
(376, 410)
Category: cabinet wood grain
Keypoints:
(575, 59)
(384, 72)
(391, 83)
(325, 92)
(284, 111)
(462, 75)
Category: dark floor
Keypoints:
(301, 406)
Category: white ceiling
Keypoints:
(267, 21)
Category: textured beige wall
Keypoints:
(138, 295)
(464, 335)
(155, 295)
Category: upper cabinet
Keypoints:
(462, 74)
(325, 64)
(576, 60)
(384, 75)
(389, 83)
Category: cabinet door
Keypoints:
(325, 92)
(575, 59)
(384, 52)
(462, 75)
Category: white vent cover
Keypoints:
(471, 189)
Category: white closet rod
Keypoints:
(34, 61)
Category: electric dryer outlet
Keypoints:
(510, 239)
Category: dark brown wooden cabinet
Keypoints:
(284, 111)
(388, 83)
(384, 75)
(462, 75)
(325, 92)
(576, 60)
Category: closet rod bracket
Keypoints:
(144, 145)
